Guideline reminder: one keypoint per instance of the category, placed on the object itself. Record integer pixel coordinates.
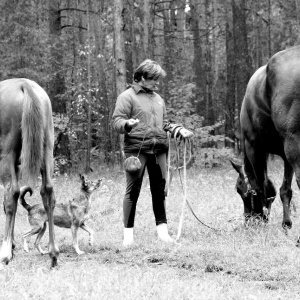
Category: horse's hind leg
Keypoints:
(48, 197)
(13, 238)
(11, 195)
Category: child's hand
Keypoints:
(185, 133)
(133, 122)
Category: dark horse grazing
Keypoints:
(26, 141)
(270, 124)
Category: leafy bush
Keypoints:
(213, 157)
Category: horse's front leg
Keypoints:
(47, 193)
(256, 169)
(286, 194)
(11, 195)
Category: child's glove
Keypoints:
(185, 133)
(178, 131)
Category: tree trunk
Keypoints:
(258, 26)
(152, 44)
(146, 23)
(199, 69)
(88, 146)
(214, 62)
(168, 47)
(180, 30)
(56, 86)
(158, 27)
(119, 46)
(209, 115)
(119, 53)
(104, 107)
(129, 38)
(243, 68)
(269, 29)
(298, 20)
(230, 81)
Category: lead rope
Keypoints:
(169, 163)
(184, 188)
(184, 193)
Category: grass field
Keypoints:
(235, 263)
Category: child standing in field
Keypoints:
(140, 114)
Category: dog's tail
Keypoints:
(23, 191)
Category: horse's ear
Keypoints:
(237, 167)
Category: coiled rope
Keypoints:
(183, 182)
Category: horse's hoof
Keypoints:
(287, 225)
(5, 261)
(54, 263)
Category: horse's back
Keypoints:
(257, 126)
(255, 101)
(283, 75)
(13, 89)
(270, 111)
(12, 102)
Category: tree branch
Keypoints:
(77, 9)
(79, 27)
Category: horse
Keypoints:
(270, 124)
(26, 148)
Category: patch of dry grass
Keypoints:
(233, 263)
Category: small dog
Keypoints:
(67, 215)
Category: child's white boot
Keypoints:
(162, 232)
(128, 237)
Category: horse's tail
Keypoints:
(33, 124)
(23, 191)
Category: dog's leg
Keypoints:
(25, 245)
(27, 235)
(74, 229)
(90, 232)
(38, 240)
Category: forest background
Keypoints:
(83, 53)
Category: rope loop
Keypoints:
(186, 142)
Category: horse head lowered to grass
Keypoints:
(270, 124)
(26, 146)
